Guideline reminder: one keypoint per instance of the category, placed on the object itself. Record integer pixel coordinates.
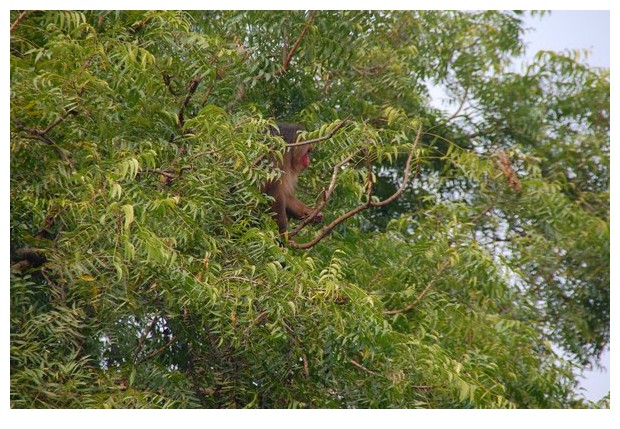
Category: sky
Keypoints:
(570, 29)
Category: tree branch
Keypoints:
(313, 141)
(326, 196)
(168, 83)
(42, 133)
(291, 53)
(158, 351)
(362, 367)
(191, 89)
(142, 339)
(327, 229)
(240, 93)
(42, 136)
(20, 18)
(405, 176)
(455, 114)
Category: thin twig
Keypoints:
(143, 338)
(323, 138)
(241, 89)
(487, 209)
(207, 95)
(428, 287)
(306, 366)
(168, 83)
(60, 293)
(59, 120)
(42, 133)
(405, 175)
(422, 387)
(156, 352)
(369, 182)
(42, 136)
(455, 114)
(313, 141)
(362, 367)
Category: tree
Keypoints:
(147, 273)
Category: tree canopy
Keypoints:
(146, 270)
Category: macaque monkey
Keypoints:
(295, 160)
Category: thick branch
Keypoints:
(19, 19)
(327, 229)
(326, 196)
(193, 85)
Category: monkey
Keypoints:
(295, 160)
(26, 257)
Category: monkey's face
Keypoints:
(303, 157)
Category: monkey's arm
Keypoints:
(295, 208)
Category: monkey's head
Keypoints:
(288, 131)
(299, 155)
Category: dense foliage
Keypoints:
(146, 271)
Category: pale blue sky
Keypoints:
(571, 29)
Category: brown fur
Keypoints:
(283, 189)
